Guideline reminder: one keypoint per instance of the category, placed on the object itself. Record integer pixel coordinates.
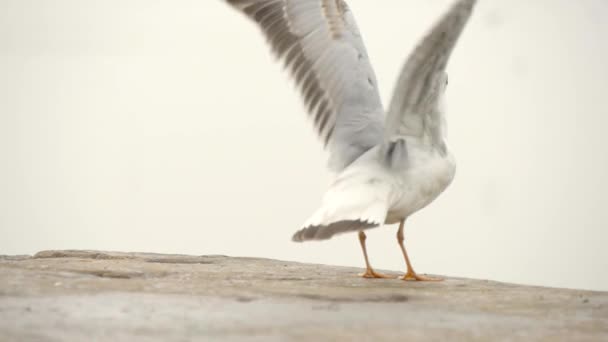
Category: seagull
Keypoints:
(387, 165)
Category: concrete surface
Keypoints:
(107, 296)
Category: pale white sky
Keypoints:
(166, 126)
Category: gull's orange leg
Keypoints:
(369, 272)
(410, 275)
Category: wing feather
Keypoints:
(319, 43)
(414, 109)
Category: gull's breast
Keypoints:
(426, 178)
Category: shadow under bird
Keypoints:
(387, 166)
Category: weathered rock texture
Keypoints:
(102, 296)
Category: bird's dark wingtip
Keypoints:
(325, 232)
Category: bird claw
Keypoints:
(371, 274)
(412, 276)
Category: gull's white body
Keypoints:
(387, 166)
(369, 191)
(419, 185)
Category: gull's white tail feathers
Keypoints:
(351, 204)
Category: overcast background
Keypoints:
(166, 126)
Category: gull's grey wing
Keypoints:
(414, 109)
(321, 46)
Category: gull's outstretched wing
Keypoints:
(320, 44)
(413, 110)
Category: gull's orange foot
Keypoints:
(412, 276)
(371, 274)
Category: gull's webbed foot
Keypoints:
(412, 276)
(371, 274)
